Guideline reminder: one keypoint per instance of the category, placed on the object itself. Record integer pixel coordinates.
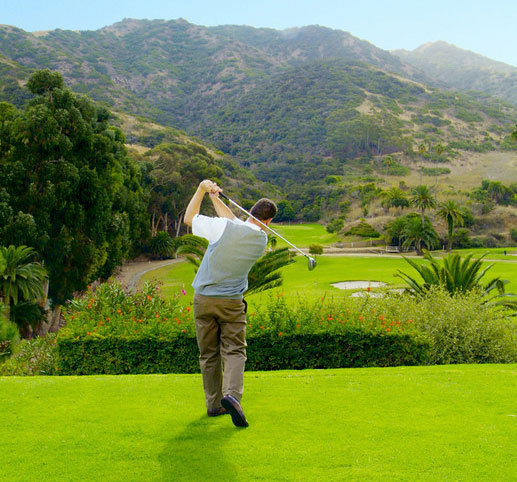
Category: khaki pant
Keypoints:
(221, 338)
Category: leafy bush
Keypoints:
(162, 245)
(462, 327)
(363, 229)
(513, 234)
(335, 225)
(315, 249)
(8, 335)
(466, 330)
(32, 357)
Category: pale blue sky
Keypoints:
(486, 27)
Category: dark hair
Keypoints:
(264, 209)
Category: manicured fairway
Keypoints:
(330, 269)
(303, 235)
(408, 423)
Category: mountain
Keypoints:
(293, 106)
(463, 69)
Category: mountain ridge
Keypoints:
(464, 69)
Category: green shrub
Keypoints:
(464, 329)
(335, 225)
(315, 249)
(363, 229)
(513, 234)
(32, 357)
(162, 245)
(9, 335)
(397, 329)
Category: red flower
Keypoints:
(280, 334)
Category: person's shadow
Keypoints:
(197, 452)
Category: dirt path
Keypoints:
(131, 273)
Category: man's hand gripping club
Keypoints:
(194, 206)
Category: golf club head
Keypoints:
(311, 263)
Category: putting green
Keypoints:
(405, 423)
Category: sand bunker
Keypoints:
(356, 285)
(363, 286)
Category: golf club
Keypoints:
(311, 261)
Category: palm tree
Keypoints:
(394, 230)
(455, 275)
(394, 197)
(20, 279)
(422, 198)
(451, 213)
(416, 233)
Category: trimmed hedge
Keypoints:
(136, 355)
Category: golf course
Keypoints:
(407, 423)
(299, 282)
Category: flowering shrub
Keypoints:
(462, 327)
(110, 311)
(327, 315)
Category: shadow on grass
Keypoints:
(198, 452)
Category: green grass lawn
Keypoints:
(493, 253)
(303, 235)
(330, 269)
(407, 423)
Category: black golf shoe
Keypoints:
(234, 407)
(215, 412)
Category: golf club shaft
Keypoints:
(224, 196)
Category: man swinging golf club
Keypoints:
(219, 285)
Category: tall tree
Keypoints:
(450, 212)
(422, 198)
(72, 192)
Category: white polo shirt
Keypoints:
(213, 228)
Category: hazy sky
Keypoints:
(488, 27)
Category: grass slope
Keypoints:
(405, 423)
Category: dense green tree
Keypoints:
(285, 211)
(177, 171)
(422, 199)
(72, 192)
(451, 213)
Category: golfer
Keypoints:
(219, 286)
